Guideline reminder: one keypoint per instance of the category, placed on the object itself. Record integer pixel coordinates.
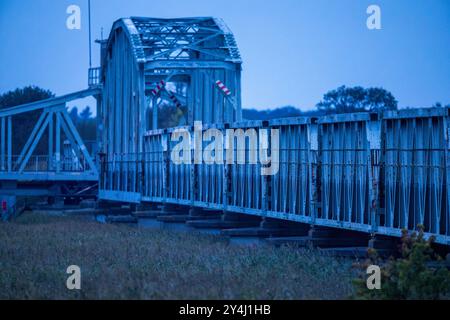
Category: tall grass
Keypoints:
(121, 262)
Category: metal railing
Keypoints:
(371, 175)
(44, 163)
(94, 75)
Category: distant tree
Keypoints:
(440, 105)
(24, 95)
(86, 126)
(437, 105)
(282, 112)
(379, 99)
(357, 99)
(23, 123)
(86, 114)
(73, 113)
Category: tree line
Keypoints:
(23, 124)
(341, 100)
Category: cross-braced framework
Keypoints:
(74, 163)
(149, 64)
(363, 172)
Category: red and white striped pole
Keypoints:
(159, 87)
(174, 99)
(223, 88)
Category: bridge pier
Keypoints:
(226, 220)
(269, 228)
(203, 214)
(144, 206)
(325, 237)
(232, 216)
(55, 199)
(147, 210)
(195, 212)
(172, 209)
(184, 214)
(384, 244)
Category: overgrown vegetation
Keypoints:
(413, 276)
(121, 262)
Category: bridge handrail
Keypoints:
(368, 159)
(45, 163)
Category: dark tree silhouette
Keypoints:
(73, 113)
(24, 95)
(357, 99)
(86, 126)
(282, 112)
(23, 123)
(86, 113)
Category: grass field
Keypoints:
(122, 262)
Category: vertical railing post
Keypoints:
(227, 177)
(266, 180)
(313, 168)
(382, 174)
(447, 173)
(9, 144)
(58, 145)
(318, 196)
(194, 167)
(166, 164)
(155, 113)
(102, 173)
(50, 143)
(373, 131)
(2, 146)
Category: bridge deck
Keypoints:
(48, 176)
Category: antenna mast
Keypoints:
(90, 44)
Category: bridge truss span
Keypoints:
(69, 161)
(53, 160)
(362, 172)
(372, 173)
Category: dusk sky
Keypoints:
(293, 50)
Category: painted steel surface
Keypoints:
(67, 158)
(375, 173)
(360, 172)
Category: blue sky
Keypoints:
(293, 50)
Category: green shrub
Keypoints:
(413, 276)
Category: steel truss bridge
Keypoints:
(360, 172)
(372, 173)
(64, 170)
